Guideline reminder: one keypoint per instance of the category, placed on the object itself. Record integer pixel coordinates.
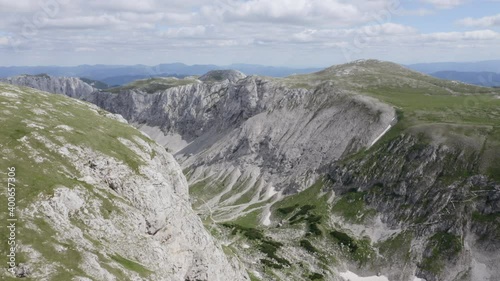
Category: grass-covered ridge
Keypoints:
(424, 99)
(35, 126)
(448, 112)
(31, 118)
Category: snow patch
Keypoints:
(351, 276)
(383, 133)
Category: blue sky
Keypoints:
(445, 20)
(299, 33)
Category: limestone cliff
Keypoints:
(366, 167)
(97, 199)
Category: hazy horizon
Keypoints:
(240, 63)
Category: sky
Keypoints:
(294, 33)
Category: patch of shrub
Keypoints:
(316, 276)
(308, 246)
(249, 232)
(344, 239)
(269, 248)
(288, 210)
(272, 264)
(314, 229)
(303, 211)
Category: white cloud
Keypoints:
(488, 21)
(458, 36)
(4, 41)
(417, 12)
(445, 4)
(18, 5)
(123, 5)
(85, 49)
(247, 29)
(187, 32)
(369, 31)
(294, 12)
(105, 21)
(83, 22)
(387, 29)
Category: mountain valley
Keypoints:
(362, 169)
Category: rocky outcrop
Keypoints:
(440, 197)
(254, 121)
(98, 199)
(69, 86)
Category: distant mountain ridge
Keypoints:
(488, 79)
(481, 66)
(123, 74)
(478, 73)
(482, 73)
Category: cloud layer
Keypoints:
(225, 31)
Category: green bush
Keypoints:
(314, 229)
(316, 276)
(344, 239)
(272, 264)
(308, 246)
(287, 210)
(249, 232)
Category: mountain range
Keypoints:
(484, 73)
(481, 66)
(366, 169)
(123, 74)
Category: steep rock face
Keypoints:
(244, 127)
(97, 199)
(258, 120)
(434, 184)
(70, 86)
(421, 202)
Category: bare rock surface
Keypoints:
(100, 206)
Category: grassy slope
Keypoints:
(425, 102)
(47, 111)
